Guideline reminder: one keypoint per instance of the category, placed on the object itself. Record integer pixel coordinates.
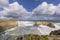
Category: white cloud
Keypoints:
(45, 8)
(4, 3)
(16, 8)
(58, 9)
(46, 11)
(13, 11)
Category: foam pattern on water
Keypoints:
(28, 27)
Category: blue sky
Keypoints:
(31, 4)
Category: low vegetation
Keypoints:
(37, 37)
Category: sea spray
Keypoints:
(57, 25)
(25, 23)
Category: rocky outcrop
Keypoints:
(40, 23)
(56, 32)
(7, 24)
(1, 29)
(4, 25)
(49, 24)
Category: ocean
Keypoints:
(27, 27)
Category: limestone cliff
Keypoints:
(50, 24)
(7, 24)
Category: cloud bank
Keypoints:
(46, 8)
(46, 11)
(15, 11)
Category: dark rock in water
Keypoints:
(56, 32)
(1, 29)
(51, 25)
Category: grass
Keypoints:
(38, 37)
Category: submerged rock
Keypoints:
(1, 29)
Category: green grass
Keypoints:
(37, 37)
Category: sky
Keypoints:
(29, 9)
(31, 4)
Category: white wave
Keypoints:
(11, 29)
(27, 27)
(24, 30)
(57, 25)
(25, 23)
(45, 30)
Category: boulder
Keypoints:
(56, 32)
(51, 25)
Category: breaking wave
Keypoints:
(26, 27)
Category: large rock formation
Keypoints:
(56, 32)
(7, 24)
(49, 24)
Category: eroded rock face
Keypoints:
(49, 24)
(1, 29)
(4, 25)
(56, 32)
(40, 23)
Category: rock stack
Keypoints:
(49, 24)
